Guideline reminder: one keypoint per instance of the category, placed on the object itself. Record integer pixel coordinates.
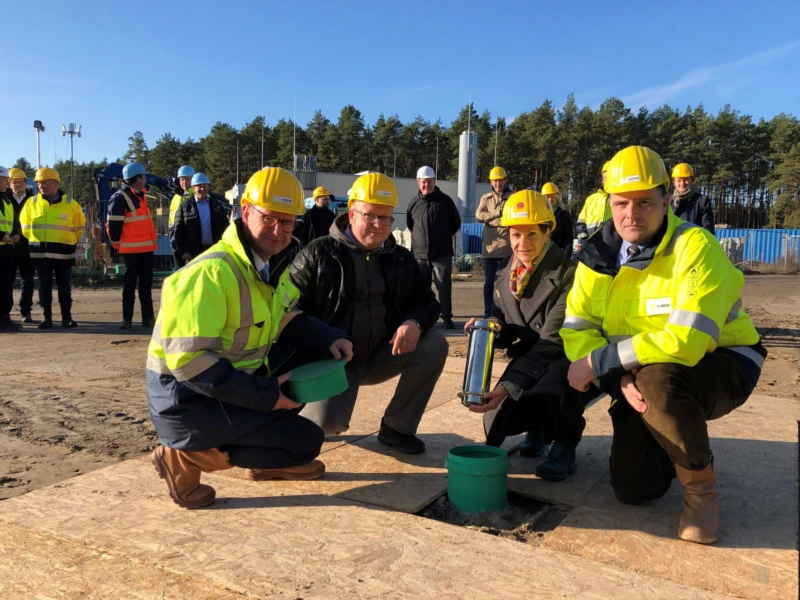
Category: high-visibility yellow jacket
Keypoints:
(670, 304)
(175, 204)
(596, 211)
(6, 218)
(53, 229)
(217, 324)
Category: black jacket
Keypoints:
(563, 236)
(433, 220)
(324, 274)
(186, 235)
(17, 228)
(695, 208)
(316, 223)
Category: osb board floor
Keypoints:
(295, 546)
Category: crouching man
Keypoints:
(359, 280)
(227, 328)
(655, 314)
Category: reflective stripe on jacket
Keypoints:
(137, 234)
(670, 304)
(53, 230)
(596, 211)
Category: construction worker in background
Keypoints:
(433, 220)
(199, 222)
(131, 231)
(669, 341)
(18, 195)
(318, 219)
(185, 174)
(596, 211)
(360, 280)
(8, 269)
(53, 224)
(494, 242)
(562, 235)
(227, 335)
(688, 203)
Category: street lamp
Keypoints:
(37, 125)
(71, 132)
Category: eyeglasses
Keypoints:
(270, 221)
(372, 218)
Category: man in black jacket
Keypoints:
(199, 222)
(359, 280)
(433, 220)
(689, 204)
(562, 235)
(18, 195)
(318, 219)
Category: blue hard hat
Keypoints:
(131, 170)
(185, 171)
(199, 178)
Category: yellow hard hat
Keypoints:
(634, 169)
(683, 170)
(320, 191)
(15, 173)
(497, 173)
(275, 189)
(605, 166)
(375, 188)
(47, 173)
(527, 207)
(550, 188)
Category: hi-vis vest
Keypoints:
(138, 231)
(674, 308)
(176, 203)
(53, 230)
(596, 211)
(218, 307)
(6, 219)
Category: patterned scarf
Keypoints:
(519, 275)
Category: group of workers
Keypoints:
(649, 313)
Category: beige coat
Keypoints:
(495, 238)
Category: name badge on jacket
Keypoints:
(658, 306)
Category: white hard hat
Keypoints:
(426, 173)
(3, 172)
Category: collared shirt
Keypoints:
(204, 212)
(261, 266)
(623, 255)
(18, 199)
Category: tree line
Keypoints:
(751, 169)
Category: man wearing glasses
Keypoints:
(226, 337)
(358, 279)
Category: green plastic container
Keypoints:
(317, 381)
(477, 478)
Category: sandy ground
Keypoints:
(74, 401)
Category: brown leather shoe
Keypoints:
(313, 470)
(182, 475)
(700, 519)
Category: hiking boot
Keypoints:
(533, 446)
(404, 442)
(182, 469)
(313, 470)
(700, 519)
(125, 324)
(151, 322)
(46, 324)
(448, 323)
(26, 316)
(560, 462)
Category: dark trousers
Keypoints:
(489, 274)
(8, 272)
(63, 273)
(559, 413)
(138, 268)
(440, 273)
(680, 400)
(23, 263)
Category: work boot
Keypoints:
(313, 470)
(448, 323)
(560, 462)
(404, 442)
(68, 323)
(181, 470)
(26, 316)
(125, 324)
(700, 518)
(46, 323)
(151, 322)
(533, 446)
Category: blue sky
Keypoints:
(181, 66)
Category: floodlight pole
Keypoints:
(71, 132)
